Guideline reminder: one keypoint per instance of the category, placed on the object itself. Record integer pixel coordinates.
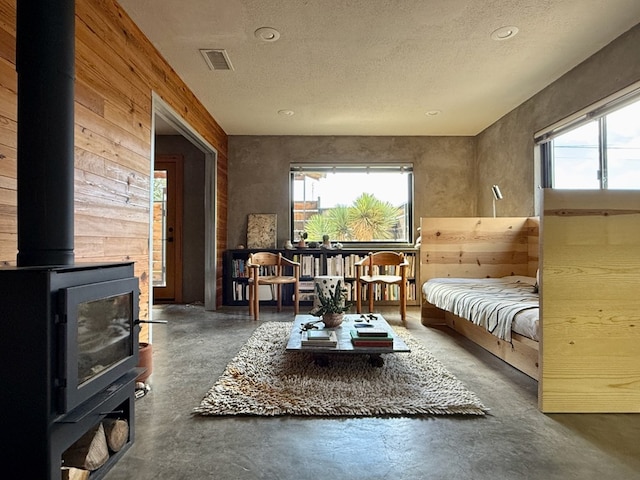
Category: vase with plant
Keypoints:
(302, 242)
(331, 305)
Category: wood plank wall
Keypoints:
(478, 247)
(117, 69)
(590, 306)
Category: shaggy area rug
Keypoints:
(263, 379)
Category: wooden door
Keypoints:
(167, 229)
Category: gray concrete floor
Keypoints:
(514, 441)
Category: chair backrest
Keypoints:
(270, 263)
(265, 258)
(383, 258)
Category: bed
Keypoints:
(499, 305)
(466, 265)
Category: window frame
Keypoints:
(403, 168)
(597, 112)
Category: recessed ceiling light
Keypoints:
(433, 113)
(286, 113)
(504, 33)
(267, 34)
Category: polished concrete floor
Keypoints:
(514, 441)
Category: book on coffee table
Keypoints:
(319, 338)
(371, 341)
(319, 334)
(372, 332)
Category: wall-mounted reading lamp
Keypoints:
(497, 195)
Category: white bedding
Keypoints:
(501, 305)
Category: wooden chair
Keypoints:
(267, 268)
(382, 268)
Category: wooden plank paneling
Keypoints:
(122, 133)
(7, 242)
(8, 196)
(87, 97)
(8, 134)
(7, 45)
(89, 140)
(477, 247)
(8, 109)
(222, 203)
(8, 17)
(89, 186)
(121, 88)
(590, 315)
(533, 242)
(8, 76)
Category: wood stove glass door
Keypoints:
(167, 229)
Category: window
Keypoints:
(599, 149)
(352, 204)
(576, 158)
(623, 147)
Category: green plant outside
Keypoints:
(367, 219)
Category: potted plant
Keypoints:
(302, 243)
(331, 305)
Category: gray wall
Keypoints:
(506, 149)
(453, 175)
(193, 214)
(259, 173)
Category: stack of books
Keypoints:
(319, 338)
(371, 337)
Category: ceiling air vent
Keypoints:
(217, 59)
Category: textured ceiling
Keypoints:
(375, 67)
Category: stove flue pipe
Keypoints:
(45, 62)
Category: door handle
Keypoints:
(170, 239)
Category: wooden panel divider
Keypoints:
(589, 301)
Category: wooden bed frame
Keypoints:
(522, 353)
(479, 248)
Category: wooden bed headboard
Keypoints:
(478, 247)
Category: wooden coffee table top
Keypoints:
(344, 336)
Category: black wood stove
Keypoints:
(69, 350)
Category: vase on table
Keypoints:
(332, 320)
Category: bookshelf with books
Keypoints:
(382, 294)
(236, 279)
(315, 262)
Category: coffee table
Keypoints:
(322, 355)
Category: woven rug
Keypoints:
(263, 379)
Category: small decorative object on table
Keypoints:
(332, 305)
